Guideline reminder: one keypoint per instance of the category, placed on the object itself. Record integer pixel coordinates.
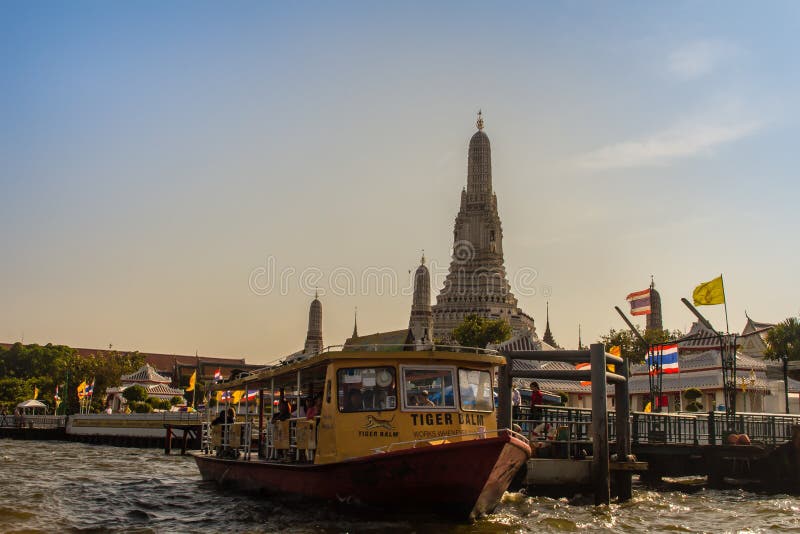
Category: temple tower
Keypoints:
(476, 282)
(548, 335)
(420, 323)
(654, 317)
(314, 336)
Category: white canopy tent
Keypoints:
(30, 406)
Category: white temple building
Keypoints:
(156, 385)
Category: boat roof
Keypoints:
(328, 356)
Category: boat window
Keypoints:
(367, 389)
(475, 390)
(428, 388)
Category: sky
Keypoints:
(181, 176)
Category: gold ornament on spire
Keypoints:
(480, 120)
(423, 257)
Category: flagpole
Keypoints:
(725, 303)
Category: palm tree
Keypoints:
(783, 340)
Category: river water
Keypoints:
(73, 487)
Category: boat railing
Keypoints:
(230, 440)
(375, 347)
(413, 444)
(291, 439)
(205, 437)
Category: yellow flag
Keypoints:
(614, 351)
(35, 393)
(709, 293)
(648, 407)
(192, 381)
(237, 396)
(82, 389)
(219, 396)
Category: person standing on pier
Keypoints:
(536, 399)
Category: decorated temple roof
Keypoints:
(145, 375)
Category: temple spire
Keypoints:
(548, 335)
(420, 323)
(314, 336)
(654, 319)
(478, 252)
(355, 323)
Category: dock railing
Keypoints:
(770, 429)
(664, 428)
(33, 421)
(707, 428)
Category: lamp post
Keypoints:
(785, 359)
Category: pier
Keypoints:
(157, 430)
(589, 450)
(665, 445)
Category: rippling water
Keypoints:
(59, 486)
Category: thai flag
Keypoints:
(226, 396)
(585, 367)
(667, 355)
(251, 394)
(217, 375)
(90, 389)
(640, 302)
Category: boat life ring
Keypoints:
(384, 378)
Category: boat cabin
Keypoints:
(358, 403)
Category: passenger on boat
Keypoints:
(225, 417)
(300, 410)
(315, 410)
(424, 401)
(283, 412)
(353, 400)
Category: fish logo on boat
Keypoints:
(373, 423)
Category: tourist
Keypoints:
(516, 396)
(353, 400)
(225, 417)
(424, 401)
(283, 412)
(300, 411)
(3, 416)
(316, 409)
(536, 399)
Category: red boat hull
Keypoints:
(464, 479)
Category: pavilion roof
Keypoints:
(145, 375)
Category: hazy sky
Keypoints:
(160, 161)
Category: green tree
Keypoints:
(135, 393)
(476, 331)
(174, 401)
(784, 340)
(632, 348)
(105, 368)
(692, 395)
(25, 366)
